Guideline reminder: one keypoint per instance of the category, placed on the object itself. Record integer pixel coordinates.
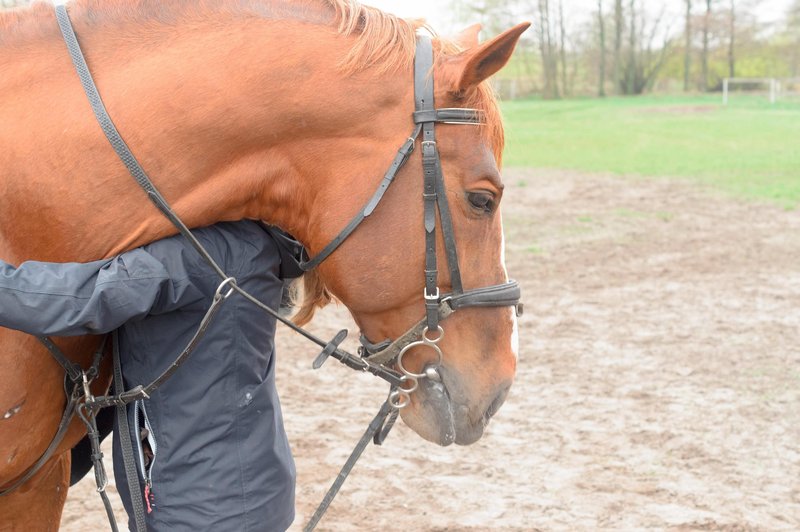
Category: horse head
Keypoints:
(378, 272)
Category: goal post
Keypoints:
(773, 86)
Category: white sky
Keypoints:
(575, 11)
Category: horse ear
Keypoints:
(480, 62)
(468, 37)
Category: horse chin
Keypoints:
(438, 415)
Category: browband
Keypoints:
(449, 115)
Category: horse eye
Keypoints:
(481, 201)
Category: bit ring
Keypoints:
(427, 340)
(421, 343)
(398, 399)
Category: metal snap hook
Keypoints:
(229, 281)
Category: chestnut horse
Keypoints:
(283, 111)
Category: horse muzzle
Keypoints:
(440, 410)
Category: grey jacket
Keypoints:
(222, 460)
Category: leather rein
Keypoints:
(375, 358)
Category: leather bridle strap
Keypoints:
(425, 116)
(75, 388)
(434, 192)
(505, 295)
(399, 160)
(376, 431)
(73, 398)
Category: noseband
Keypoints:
(438, 306)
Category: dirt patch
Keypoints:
(658, 384)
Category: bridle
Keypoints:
(375, 358)
(438, 306)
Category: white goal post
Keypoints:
(778, 88)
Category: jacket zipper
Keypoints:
(147, 472)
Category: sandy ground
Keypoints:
(658, 384)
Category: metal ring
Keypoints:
(428, 340)
(406, 378)
(421, 343)
(228, 281)
(402, 403)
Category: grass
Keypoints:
(749, 148)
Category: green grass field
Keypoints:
(749, 148)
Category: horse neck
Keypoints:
(229, 122)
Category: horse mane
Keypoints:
(314, 295)
(383, 42)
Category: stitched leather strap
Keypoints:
(423, 101)
(376, 431)
(72, 369)
(400, 159)
(126, 444)
(66, 418)
(448, 115)
(503, 295)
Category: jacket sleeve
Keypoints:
(70, 299)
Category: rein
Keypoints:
(375, 358)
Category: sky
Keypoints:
(575, 11)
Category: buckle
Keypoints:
(431, 297)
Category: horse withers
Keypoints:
(288, 112)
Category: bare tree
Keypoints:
(625, 46)
(601, 84)
(687, 52)
(619, 24)
(549, 60)
(645, 57)
(732, 38)
(563, 49)
(495, 16)
(793, 27)
(630, 70)
(704, 57)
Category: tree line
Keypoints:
(634, 46)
